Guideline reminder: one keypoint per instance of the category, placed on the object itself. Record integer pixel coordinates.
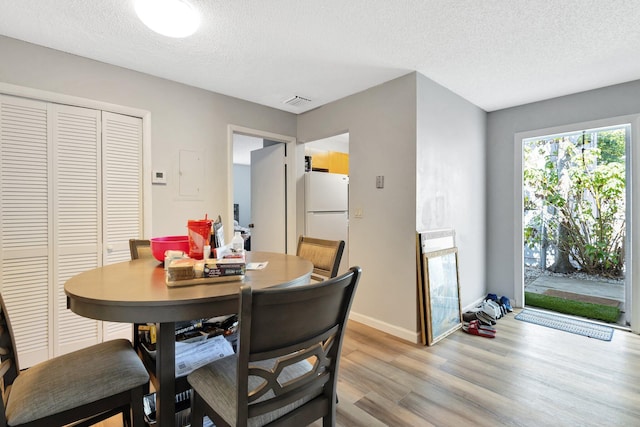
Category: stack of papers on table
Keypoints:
(192, 355)
(257, 265)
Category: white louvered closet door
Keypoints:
(70, 200)
(77, 205)
(25, 228)
(122, 187)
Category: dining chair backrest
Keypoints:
(88, 385)
(140, 248)
(9, 366)
(325, 255)
(288, 356)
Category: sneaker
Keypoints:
(489, 310)
(506, 303)
(469, 316)
(491, 297)
(492, 305)
(485, 318)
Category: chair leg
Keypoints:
(137, 408)
(329, 421)
(197, 410)
(126, 417)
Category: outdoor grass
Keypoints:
(576, 308)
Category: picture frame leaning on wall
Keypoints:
(442, 293)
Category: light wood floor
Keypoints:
(528, 375)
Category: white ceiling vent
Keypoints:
(297, 101)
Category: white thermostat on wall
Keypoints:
(159, 177)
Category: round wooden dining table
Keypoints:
(136, 292)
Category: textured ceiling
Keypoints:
(494, 53)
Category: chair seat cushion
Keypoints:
(216, 384)
(75, 379)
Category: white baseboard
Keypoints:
(473, 305)
(402, 333)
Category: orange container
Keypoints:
(199, 232)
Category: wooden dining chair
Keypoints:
(325, 255)
(84, 387)
(286, 369)
(140, 248)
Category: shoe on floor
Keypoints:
(474, 329)
(469, 316)
(486, 318)
(483, 326)
(491, 297)
(506, 303)
(492, 307)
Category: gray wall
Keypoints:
(182, 118)
(451, 178)
(613, 101)
(428, 143)
(381, 122)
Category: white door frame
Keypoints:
(632, 280)
(291, 174)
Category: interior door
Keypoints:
(268, 199)
(25, 228)
(77, 199)
(122, 196)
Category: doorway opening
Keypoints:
(326, 204)
(262, 188)
(243, 145)
(574, 222)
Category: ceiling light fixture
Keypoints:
(171, 18)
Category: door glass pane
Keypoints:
(574, 222)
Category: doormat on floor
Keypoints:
(587, 329)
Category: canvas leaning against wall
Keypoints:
(438, 284)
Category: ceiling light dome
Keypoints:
(171, 18)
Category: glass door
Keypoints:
(574, 222)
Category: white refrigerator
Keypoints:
(326, 203)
